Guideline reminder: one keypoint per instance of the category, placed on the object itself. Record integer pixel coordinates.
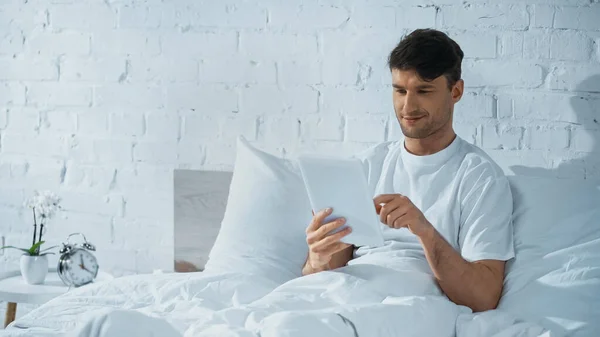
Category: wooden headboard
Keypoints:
(200, 198)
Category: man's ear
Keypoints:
(457, 90)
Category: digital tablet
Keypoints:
(341, 183)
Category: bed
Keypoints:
(239, 246)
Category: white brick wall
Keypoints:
(101, 100)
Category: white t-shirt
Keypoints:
(460, 190)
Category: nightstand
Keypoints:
(13, 290)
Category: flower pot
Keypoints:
(34, 268)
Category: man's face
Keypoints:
(423, 108)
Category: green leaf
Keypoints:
(35, 248)
(42, 254)
(22, 249)
(47, 249)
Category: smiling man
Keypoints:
(440, 199)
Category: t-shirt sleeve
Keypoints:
(486, 229)
(372, 161)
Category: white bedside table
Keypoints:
(13, 290)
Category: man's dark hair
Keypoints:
(430, 53)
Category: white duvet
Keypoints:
(357, 300)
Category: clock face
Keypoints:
(83, 267)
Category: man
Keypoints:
(434, 191)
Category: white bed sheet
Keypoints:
(368, 299)
(358, 300)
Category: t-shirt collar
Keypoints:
(437, 158)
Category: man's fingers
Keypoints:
(331, 243)
(387, 209)
(384, 198)
(336, 237)
(317, 219)
(394, 216)
(328, 227)
(322, 231)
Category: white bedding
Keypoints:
(357, 300)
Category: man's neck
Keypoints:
(430, 145)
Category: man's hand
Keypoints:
(398, 212)
(321, 246)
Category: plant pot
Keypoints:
(34, 268)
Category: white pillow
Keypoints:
(554, 279)
(264, 227)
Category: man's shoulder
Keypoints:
(377, 152)
(476, 162)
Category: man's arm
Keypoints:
(338, 260)
(477, 285)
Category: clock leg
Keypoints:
(11, 311)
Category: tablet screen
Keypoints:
(341, 183)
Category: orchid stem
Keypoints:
(34, 227)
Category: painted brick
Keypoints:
(199, 44)
(28, 69)
(581, 17)
(415, 17)
(542, 16)
(45, 146)
(494, 73)
(547, 139)
(63, 43)
(200, 127)
(92, 203)
(575, 78)
(273, 46)
(585, 140)
(81, 177)
(204, 98)
(107, 69)
(570, 46)
(129, 96)
(307, 16)
(372, 17)
(511, 45)
(58, 95)
(82, 16)
(269, 99)
(123, 42)
(191, 153)
(352, 101)
(23, 121)
(160, 69)
(235, 125)
(155, 152)
(129, 124)
(474, 105)
(213, 14)
(59, 122)
(162, 125)
(512, 17)
(92, 122)
(299, 72)
(501, 137)
(12, 94)
(477, 45)
(139, 16)
(328, 127)
(237, 70)
(536, 46)
(365, 129)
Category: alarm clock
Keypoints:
(77, 266)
